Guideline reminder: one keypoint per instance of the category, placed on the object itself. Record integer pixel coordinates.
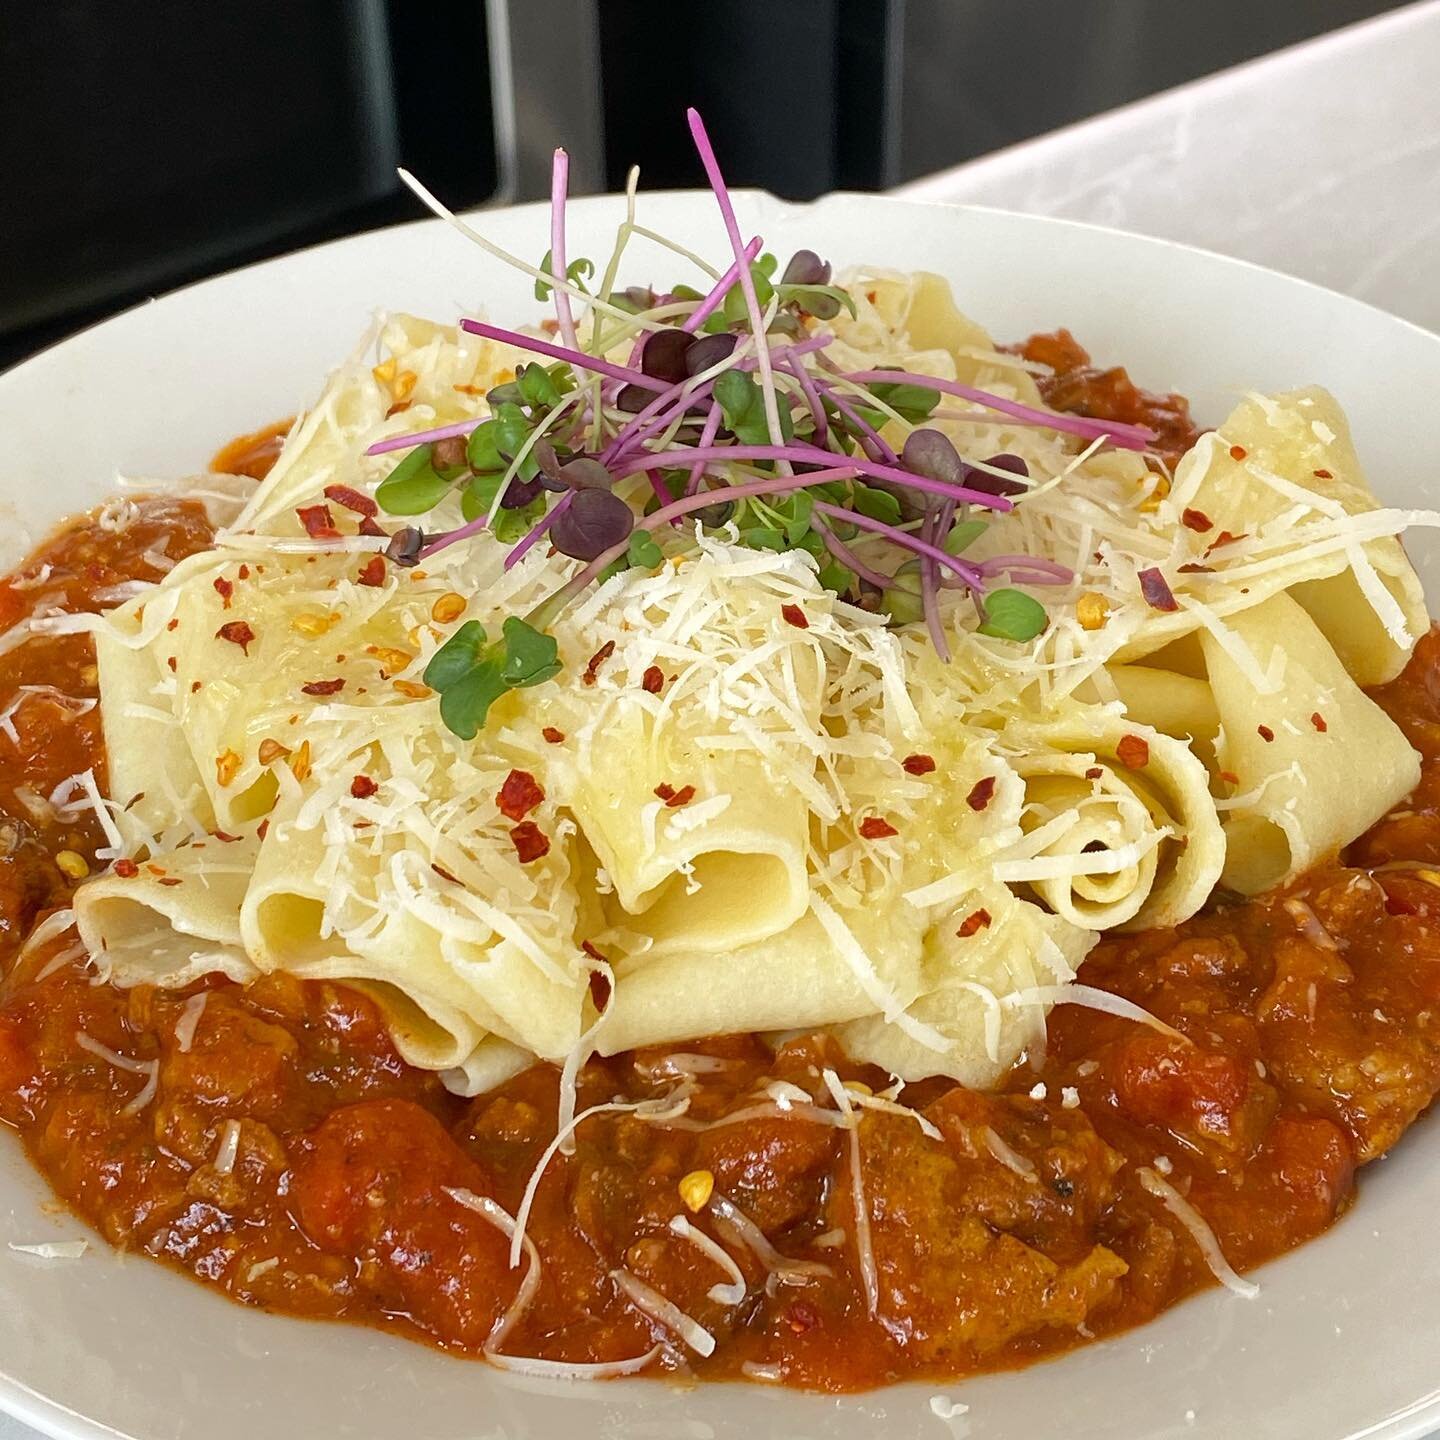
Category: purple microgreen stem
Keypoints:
(747, 281)
(875, 447)
(577, 358)
(1052, 571)
(559, 184)
(1125, 437)
(846, 556)
(707, 439)
(527, 542)
(803, 454)
(716, 298)
(968, 574)
(812, 397)
(425, 437)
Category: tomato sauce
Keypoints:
(290, 1159)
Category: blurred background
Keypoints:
(147, 143)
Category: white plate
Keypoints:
(1342, 1341)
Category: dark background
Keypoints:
(146, 143)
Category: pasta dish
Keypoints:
(742, 827)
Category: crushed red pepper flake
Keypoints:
(1094, 772)
(981, 793)
(1318, 721)
(975, 921)
(323, 687)
(171, 880)
(600, 987)
(1133, 752)
(553, 736)
(263, 828)
(1156, 590)
(319, 523)
(794, 615)
(530, 841)
(171, 663)
(227, 839)
(244, 572)
(1322, 474)
(873, 827)
(444, 874)
(224, 589)
(653, 680)
(126, 869)
(592, 668)
(372, 572)
(1223, 538)
(672, 797)
(918, 764)
(801, 1317)
(194, 686)
(1237, 452)
(1265, 733)
(237, 632)
(372, 528)
(1196, 520)
(172, 625)
(349, 499)
(362, 787)
(1191, 568)
(519, 795)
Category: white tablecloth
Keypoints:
(1323, 160)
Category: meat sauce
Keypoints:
(288, 1157)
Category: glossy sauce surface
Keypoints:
(1026, 1228)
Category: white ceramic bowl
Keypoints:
(1343, 1339)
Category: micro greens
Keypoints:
(730, 412)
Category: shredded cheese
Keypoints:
(864, 1249)
(1200, 1232)
(733, 1291)
(665, 1313)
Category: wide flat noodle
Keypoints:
(1315, 761)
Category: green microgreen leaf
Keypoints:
(911, 401)
(465, 704)
(642, 552)
(837, 577)
(904, 601)
(797, 512)
(1013, 615)
(876, 504)
(577, 272)
(685, 292)
(412, 487)
(531, 656)
(456, 657)
(512, 525)
(823, 301)
(536, 386)
(963, 534)
(763, 537)
(482, 452)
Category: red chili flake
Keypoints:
(599, 983)
(350, 499)
(1229, 777)
(444, 874)
(1322, 474)
(1237, 452)
(553, 736)
(126, 869)
(917, 764)
(1196, 520)
(1133, 752)
(1156, 591)
(1318, 721)
(224, 589)
(222, 836)
(794, 615)
(368, 526)
(237, 632)
(319, 523)
(263, 828)
(975, 920)
(665, 790)
(372, 572)
(674, 798)
(323, 687)
(1191, 568)
(981, 793)
(244, 572)
(653, 679)
(1265, 733)
(171, 880)
(872, 827)
(1094, 772)
(597, 660)
(194, 686)
(801, 1317)
(1223, 538)
(171, 662)
(173, 625)
(519, 795)
(362, 787)
(531, 842)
